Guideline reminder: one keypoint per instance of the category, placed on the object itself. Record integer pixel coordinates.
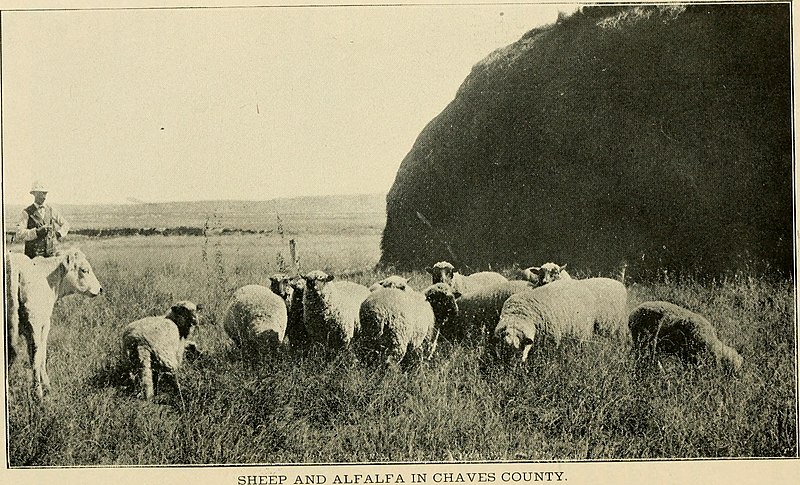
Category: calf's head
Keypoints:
(78, 275)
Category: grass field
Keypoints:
(578, 402)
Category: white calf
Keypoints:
(32, 289)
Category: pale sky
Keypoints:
(252, 103)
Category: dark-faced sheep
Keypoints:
(330, 308)
(160, 343)
(546, 273)
(663, 327)
(290, 289)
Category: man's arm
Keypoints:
(61, 224)
(23, 233)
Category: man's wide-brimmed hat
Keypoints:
(38, 187)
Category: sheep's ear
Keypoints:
(429, 269)
(535, 269)
(330, 277)
(175, 308)
(199, 306)
(456, 294)
(561, 268)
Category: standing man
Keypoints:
(40, 225)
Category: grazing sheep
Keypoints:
(611, 308)
(160, 343)
(660, 326)
(394, 322)
(330, 308)
(393, 281)
(32, 289)
(564, 308)
(255, 319)
(444, 272)
(479, 310)
(546, 273)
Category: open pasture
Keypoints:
(578, 402)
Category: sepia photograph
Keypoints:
(416, 243)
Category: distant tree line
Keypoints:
(153, 231)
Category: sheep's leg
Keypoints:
(146, 371)
(525, 350)
(432, 346)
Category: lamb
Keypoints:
(160, 343)
(561, 309)
(330, 309)
(479, 310)
(546, 273)
(660, 326)
(393, 281)
(395, 322)
(255, 319)
(444, 272)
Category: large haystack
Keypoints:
(656, 136)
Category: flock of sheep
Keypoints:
(390, 320)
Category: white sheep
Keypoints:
(160, 343)
(611, 308)
(561, 309)
(663, 327)
(393, 281)
(255, 319)
(330, 308)
(479, 310)
(444, 272)
(546, 273)
(394, 321)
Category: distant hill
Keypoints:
(659, 136)
(246, 215)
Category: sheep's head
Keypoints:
(549, 272)
(184, 314)
(394, 281)
(731, 360)
(442, 299)
(531, 275)
(282, 285)
(315, 280)
(510, 341)
(441, 272)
